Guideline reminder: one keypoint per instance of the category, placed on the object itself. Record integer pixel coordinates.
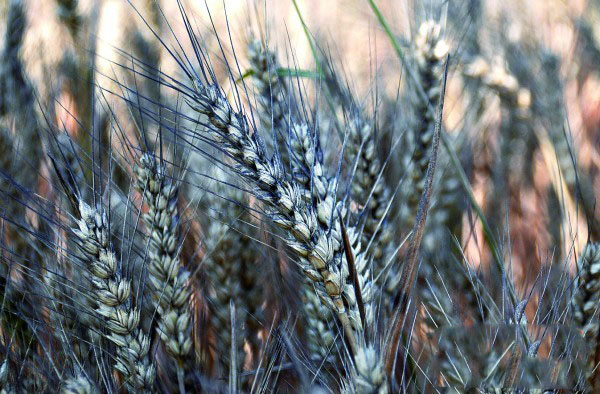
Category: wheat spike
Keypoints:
(271, 97)
(113, 300)
(367, 373)
(168, 278)
(233, 271)
(430, 50)
(319, 251)
(78, 385)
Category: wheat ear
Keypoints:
(5, 387)
(113, 297)
(78, 385)
(16, 93)
(307, 172)
(367, 374)
(585, 304)
(430, 50)
(319, 250)
(69, 15)
(369, 189)
(517, 102)
(233, 271)
(271, 96)
(168, 278)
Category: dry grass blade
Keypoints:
(411, 266)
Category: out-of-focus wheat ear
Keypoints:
(70, 166)
(516, 102)
(369, 189)
(587, 44)
(69, 15)
(553, 111)
(271, 97)
(430, 50)
(367, 373)
(114, 299)
(466, 20)
(319, 330)
(5, 386)
(167, 276)
(232, 267)
(18, 100)
(78, 385)
(586, 304)
(449, 202)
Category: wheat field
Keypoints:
(248, 196)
